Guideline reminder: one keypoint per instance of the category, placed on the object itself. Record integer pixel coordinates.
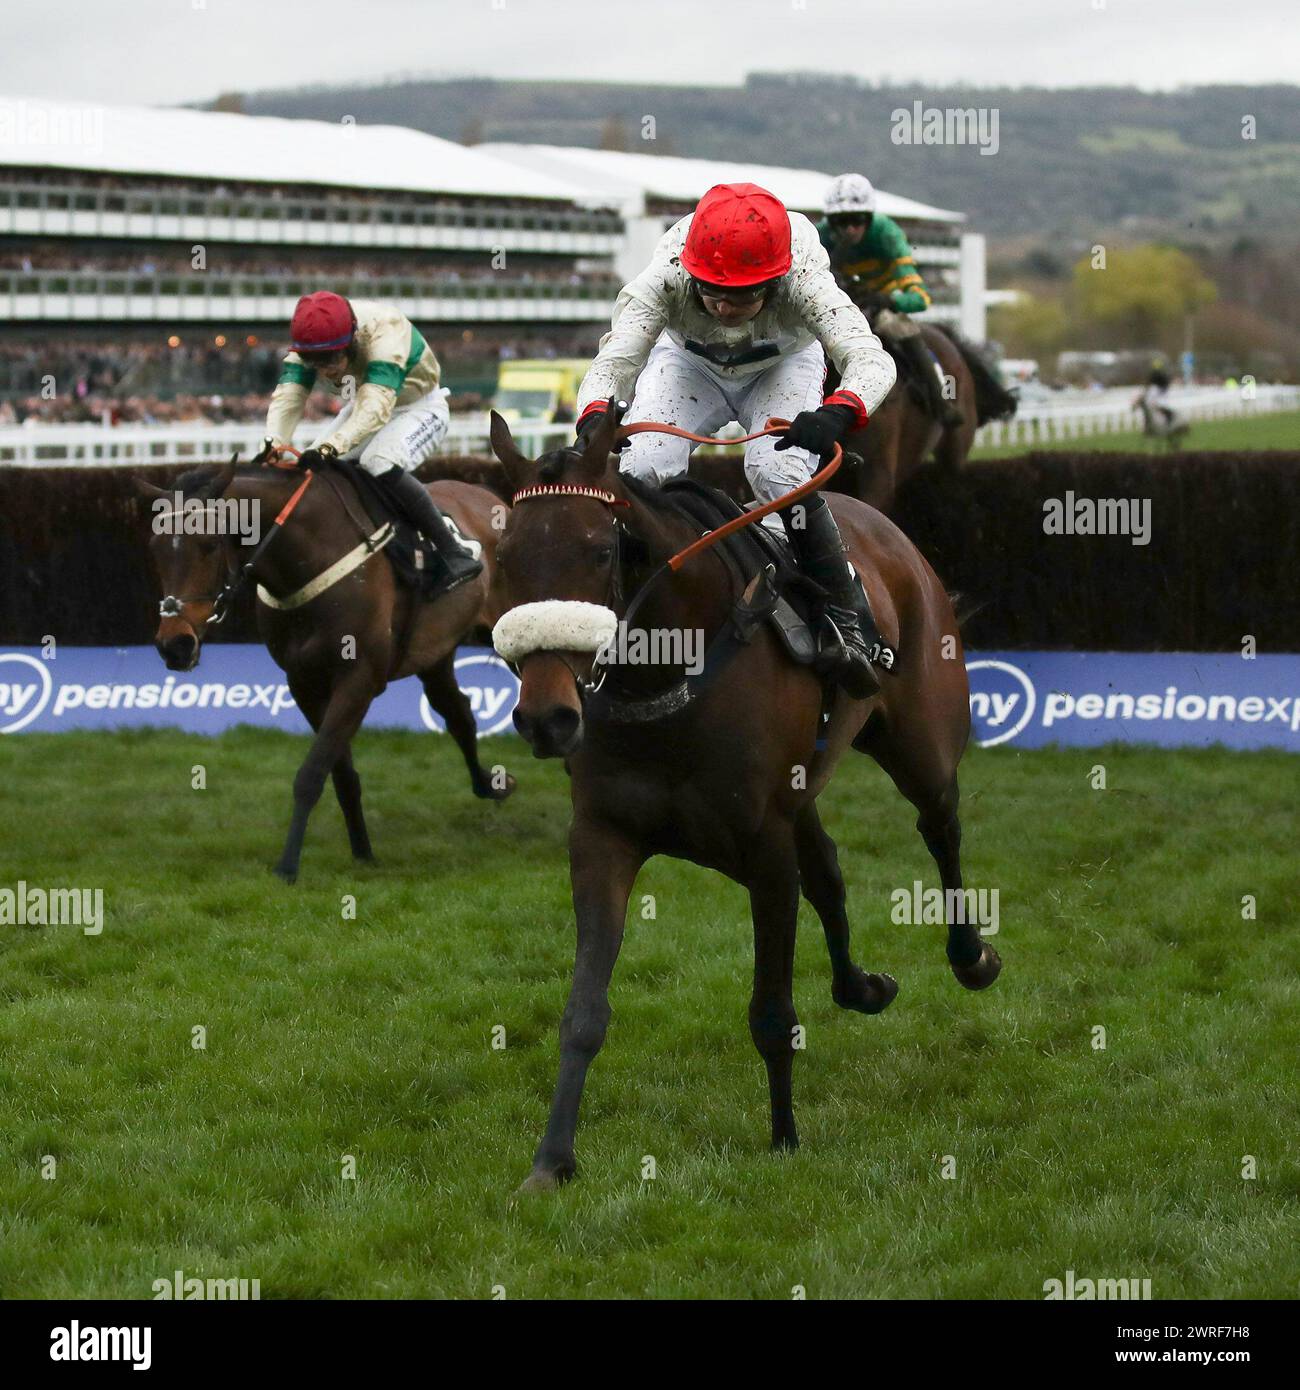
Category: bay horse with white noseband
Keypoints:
(723, 769)
(331, 612)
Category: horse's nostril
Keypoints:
(562, 725)
(178, 652)
(554, 732)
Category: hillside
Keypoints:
(1068, 163)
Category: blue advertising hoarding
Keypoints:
(1018, 699)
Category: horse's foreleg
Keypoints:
(347, 785)
(823, 886)
(773, 1023)
(344, 711)
(448, 699)
(603, 867)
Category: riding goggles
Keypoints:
(741, 296)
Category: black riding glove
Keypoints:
(316, 458)
(590, 422)
(818, 431)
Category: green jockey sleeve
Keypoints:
(295, 372)
(381, 373)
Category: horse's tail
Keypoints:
(992, 400)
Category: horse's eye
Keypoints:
(604, 555)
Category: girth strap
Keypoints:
(340, 569)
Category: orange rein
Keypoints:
(773, 426)
(273, 461)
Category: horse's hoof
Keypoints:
(487, 792)
(366, 858)
(983, 972)
(864, 993)
(542, 1180)
(286, 875)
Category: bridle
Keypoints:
(587, 687)
(237, 576)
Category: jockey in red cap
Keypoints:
(398, 416)
(733, 320)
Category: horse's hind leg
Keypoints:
(823, 886)
(929, 782)
(347, 787)
(448, 699)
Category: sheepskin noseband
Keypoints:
(554, 625)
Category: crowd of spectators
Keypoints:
(276, 193)
(70, 381)
(28, 256)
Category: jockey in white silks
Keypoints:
(397, 420)
(733, 320)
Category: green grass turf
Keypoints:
(1279, 431)
(1119, 909)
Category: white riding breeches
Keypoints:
(413, 433)
(677, 387)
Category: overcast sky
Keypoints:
(151, 52)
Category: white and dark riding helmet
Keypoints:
(849, 193)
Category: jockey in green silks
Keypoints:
(872, 258)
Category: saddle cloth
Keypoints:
(415, 561)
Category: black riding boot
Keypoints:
(820, 551)
(918, 357)
(419, 509)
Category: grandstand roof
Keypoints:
(617, 173)
(36, 133)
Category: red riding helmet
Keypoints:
(322, 322)
(740, 235)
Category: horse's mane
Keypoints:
(198, 482)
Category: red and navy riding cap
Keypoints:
(322, 322)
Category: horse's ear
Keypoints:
(147, 490)
(600, 442)
(504, 447)
(220, 480)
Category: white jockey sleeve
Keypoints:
(288, 401)
(371, 412)
(641, 313)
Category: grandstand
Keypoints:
(652, 191)
(165, 239)
(150, 259)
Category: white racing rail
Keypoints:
(131, 446)
(1076, 417)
